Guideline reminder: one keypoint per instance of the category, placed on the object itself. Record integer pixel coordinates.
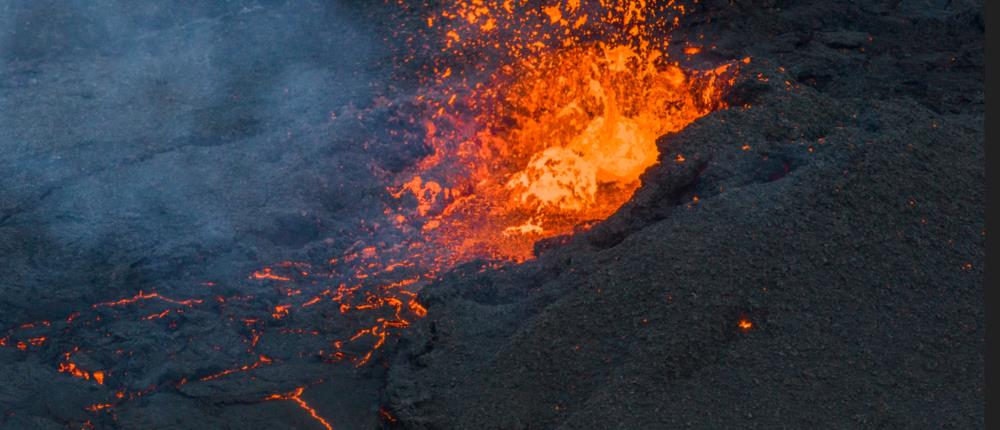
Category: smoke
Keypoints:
(145, 141)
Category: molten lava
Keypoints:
(296, 396)
(559, 134)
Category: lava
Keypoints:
(266, 273)
(296, 396)
(141, 296)
(70, 367)
(98, 407)
(262, 360)
(280, 311)
(558, 134)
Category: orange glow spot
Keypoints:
(554, 14)
(418, 309)
(691, 50)
(744, 325)
(98, 407)
(99, 377)
(261, 360)
(141, 296)
(280, 311)
(265, 273)
(386, 416)
(157, 315)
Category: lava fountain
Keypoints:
(552, 126)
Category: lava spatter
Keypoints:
(553, 134)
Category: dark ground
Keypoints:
(153, 148)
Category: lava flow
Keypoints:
(296, 396)
(557, 135)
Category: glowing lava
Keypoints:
(558, 135)
(296, 396)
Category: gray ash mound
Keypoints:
(841, 213)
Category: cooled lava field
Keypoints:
(492, 214)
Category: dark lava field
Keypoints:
(179, 179)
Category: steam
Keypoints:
(144, 128)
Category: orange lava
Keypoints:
(265, 273)
(557, 135)
(261, 361)
(156, 316)
(296, 396)
(280, 311)
(98, 407)
(745, 325)
(141, 296)
(68, 366)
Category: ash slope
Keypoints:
(850, 231)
